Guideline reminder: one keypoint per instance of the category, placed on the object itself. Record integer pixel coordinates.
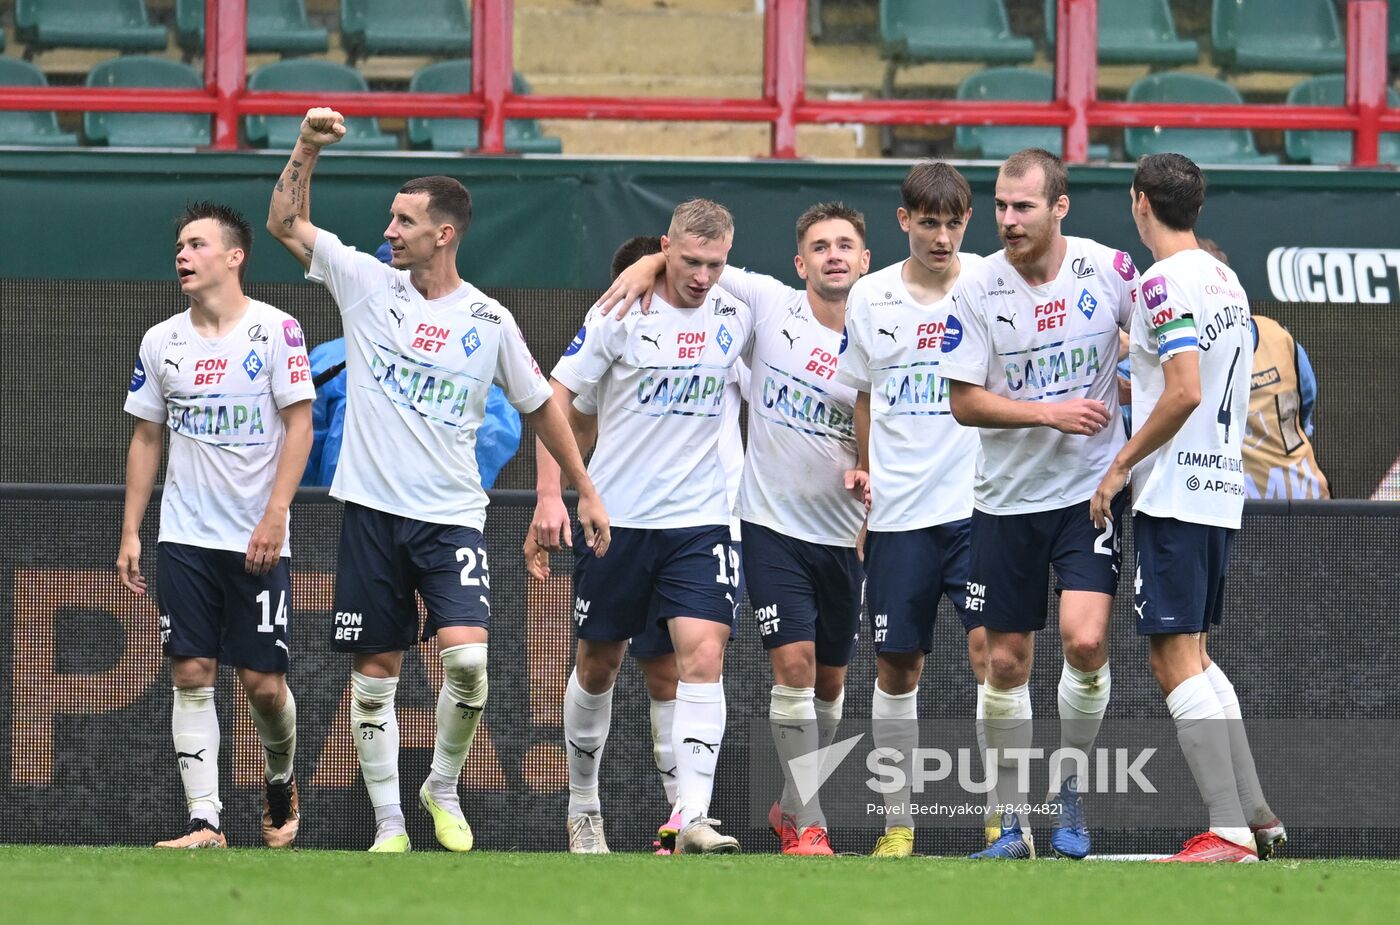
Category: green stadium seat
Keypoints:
(1133, 32)
(953, 30)
(1332, 147)
(29, 128)
(998, 142)
(522, 135)
(393, 27)
(1277, 35)
(119, 24)
(1204, 146)
(145, 129)
(363, 132)
(277, 26)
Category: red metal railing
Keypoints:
(783, 104)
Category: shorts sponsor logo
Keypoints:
(976, 597)
(252, 364)
(1087, 303)
(349, 626)
(471, 342)
(1334, 274)
(1154, 292)
(479, 310)
(291, 333)
(576, 344)
(138, 376)
(880, 622)
(581, 608)
(767, 618)
(1124, 265)
(952, 334)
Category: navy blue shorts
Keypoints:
(210, 607)
(692, 571)
(906, 573)
(1011, 554)
(655, 640)
(803, 592)
(384, 558)
(1180, 579)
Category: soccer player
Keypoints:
(1031, 346)
(422, 348)
(1192, 349)
(799, 524)
(652, 648)
(660, 380)
(230, 379)
(915, 463)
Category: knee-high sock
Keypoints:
(375, 726)
(980, 728)
(663, 752)
(894, 720)
(1008, 724)
(1083, 698)
(1256, 808)
(792, 719)
(459, 706)
(278, 733)
(587, 719)
(1200, 728)
(828, 718)
(697, 733)
(194, 726)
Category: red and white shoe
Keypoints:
(813, 841)
(666, 834)
(1211, 848)
(783, 826)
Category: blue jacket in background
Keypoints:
(497, 440)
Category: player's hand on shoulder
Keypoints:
(1081, 416)
(129, 565)
(637, 282)
(265, 545)
(322, 126)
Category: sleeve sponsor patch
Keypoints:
(576, 344)
(1154, 293)
(291, 333)
(138, 376)
(1124, 265)
(952, 334)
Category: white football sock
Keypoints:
(194, 726)
(1256, 808)
(1008, 721)
(980, 727)
(1083, 698)
(894, 722)
(375, 726)
(828, 718)
(587, 718)
(697, 734)
(792, 719)
(1200, 728)
(459, 707)
(663, 752)
(278, 733)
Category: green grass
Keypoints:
(119, 885)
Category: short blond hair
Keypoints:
(706, 220)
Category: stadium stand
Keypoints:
(390, 27)
(1317, 147)
(145, 129)
(278, 26)
(1277, 35)
(1204, 146)
(363, 132)
(994, 142)
(1134, 32)
(120, 24)
(522, 135)
(913, 32)
(29, 128)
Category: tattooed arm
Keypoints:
(289, 213)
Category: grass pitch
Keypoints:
(121, 885)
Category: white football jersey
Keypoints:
(660, 380)
(801, 421)
(731, 447)
(1043, 343)
(921, 459)
(418, 373)
(1193, 304)
(220, 400)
